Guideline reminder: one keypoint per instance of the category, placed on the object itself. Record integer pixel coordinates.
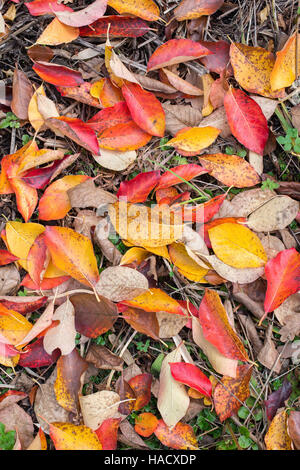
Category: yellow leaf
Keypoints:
(194, 139)
(13, 326)
(237, 246)
(34, 116)
(185, 264)
(207, 81)
(277, 437)
(67, 436)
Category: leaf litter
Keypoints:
(149, 253)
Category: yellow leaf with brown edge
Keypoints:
(230, 393)
(156, 300)
(277, 437)
(185, 264)
(20, 237)
(284, 71)
(72, 252)
(67, 436)
(194, 139)
(141, 226)
(57, 33)
(237, 246)
(252, 68)
(13, 326)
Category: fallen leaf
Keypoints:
(189, 9)
(180, 436)
(275, 214)
(145, 424)
(85, 16)
(57, 33)
(268, 355)
(155, 300)
(120, 26)
(63, 335)
(22, 92)
(119, 283)
(284, 71)
(87, 194)
(194, 139)
(277, 437)
(293, 428)
(146, 9)
(192, 376)
(138, 188)
(180, 116)
(219, 60)
(67, 436)
(75, 129)
(107, 433)
(99, 406)
(103, 358)
(57, 74)
(277, 399)
(143, 322)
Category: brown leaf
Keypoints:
(169, 324)
(15, 418)
(63, 335)
(144, 322)
(109, 250)
(268, 354)
(103, 358)
(291, 306)
(291, 328)
(179, 116)
(153, 85)
(294, 428)
(9, 279)
(87, 194)
(119, 283)
(85, 221)
(129, 437)
(21, 94)
(295, 112)
(217, 119)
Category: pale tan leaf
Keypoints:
(63, 335)
(119, 283)
(275, 214)
(99, 406)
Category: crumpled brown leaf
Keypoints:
(103, 358)
(268, 355)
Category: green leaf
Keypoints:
(245, 442)
(156, 365)
(269, 184)
(7, 439)
(243, 412)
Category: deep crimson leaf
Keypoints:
(141, 385)
(43, 7)
(219, 59)
(107, 433)
(217, 329)
(246, 120)
(283, 278)
(138, 189)
(24, 307)
(39, 177)
(6, 257)
(109, 117)
(145, 109)
(46, 284)
(58, 74)
(176, 51)
(76, 130)
(277, 399)
(192, 376)
(34, 355)
(186, 172)
(120, 26)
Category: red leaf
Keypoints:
(145, 109)
(122, 137)
(107, 433)
(141, 385)
(109, 117)
(6, 257)
(176, 51)
(138, 189)
(76, 130)
(192, 376)
(217, 329)
(34, 355)
(85, 16)
(120, 26)
(246, 120)
(283, 278)
(204, 212)
(219, 59)
(24, 307)
(58, 74)
(187, 172)
(39, 177)
(43, 7)
(46, 283)
(38, 259)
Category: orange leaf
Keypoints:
(67, 436)
(194, 139)
(231, 170)
(217, 329)
(57, 33)
(141, 385)
(180, 436)
(155, 300)
(284, 71)
(230, 393)
(38, 259)
(108, 432)
(145, 424)
(145, 109)
(55, 203)
(123, 137)
(182, 85)
(189, 9)
(73, 253)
